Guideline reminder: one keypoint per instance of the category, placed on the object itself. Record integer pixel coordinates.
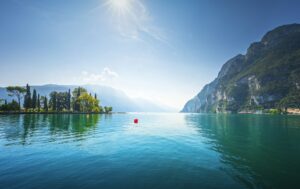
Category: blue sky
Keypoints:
(163, 50)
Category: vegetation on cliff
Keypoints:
(266, 77)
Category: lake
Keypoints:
(161, 151)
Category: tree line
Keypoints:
(79, 100)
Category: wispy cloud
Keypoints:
(105, 77)
(133, 21)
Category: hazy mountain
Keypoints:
(267, 76)
(108, 97)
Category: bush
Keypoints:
(274, 111)
(12, 106)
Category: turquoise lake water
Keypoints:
(162, 151)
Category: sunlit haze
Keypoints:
(119, 6)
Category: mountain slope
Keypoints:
(267, 76)
(108, 97)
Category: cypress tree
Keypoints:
(45, 104)
(38, 103)
(69, 100)
(34, 99)
(77, 105)
(78, 92)
(60, 102)
(27, 99)
(54, 102)
(95, 96)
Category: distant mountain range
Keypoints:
(108, 97)
(267, 76)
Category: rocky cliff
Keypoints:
(267, 76)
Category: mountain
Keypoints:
(266, 77)
(108, 97)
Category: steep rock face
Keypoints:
(267, 76)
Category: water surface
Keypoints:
(162, 151)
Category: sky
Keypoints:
(160, 50)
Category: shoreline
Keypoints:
(94, 113)
(20, 113)
(240, 113)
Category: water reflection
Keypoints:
(194, 150)
(255, 150)
(78, 124)
(26, 127)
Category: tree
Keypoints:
(69, 100)
(77, 92)
(12, 106)
(107, 109)
(88, 103)
(45, 101)
(292, 100)
(27, 98)
(95, 96)
(16, 91)
(1, 101)
(38, 103)
(53, 101)
(2, 104)
(62, 101)
(34, 99)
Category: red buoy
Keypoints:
(136, 121)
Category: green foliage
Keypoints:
(58, 102)
(53, 101)
(69, 100)
(38, 103)
(274, 111)
(77, 92)
(16, 91)
(27, 98)
(62, 101)
(273, 64)
(107, 109)
(81, 101)
(34, 99)
(2, 101)
(45, 103)
(13, 90)
(12, 106)
(292, 100)
(88, 103)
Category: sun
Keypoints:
(119, 6)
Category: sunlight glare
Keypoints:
(119, 6)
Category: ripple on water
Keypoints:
(162, 151)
